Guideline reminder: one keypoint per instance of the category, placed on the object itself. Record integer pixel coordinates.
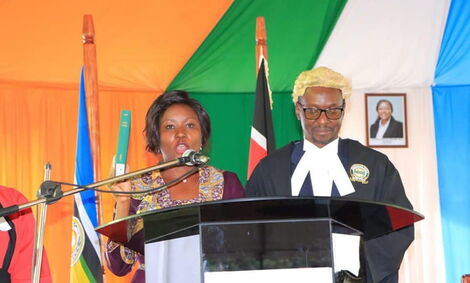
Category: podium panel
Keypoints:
(278, 250)
(297, 275)
(174, 261)
(246, 238)
(273, 245)
(221, 252)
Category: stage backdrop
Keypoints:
(207, 48)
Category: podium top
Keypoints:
(371, 218)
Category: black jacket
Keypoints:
(394, 130)
(383, 255)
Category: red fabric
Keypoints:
(21, 263)
(400, 218)
(262, 121)
(257, 152)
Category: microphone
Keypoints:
(191, 157)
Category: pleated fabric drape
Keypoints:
(38, 124)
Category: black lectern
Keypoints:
(260, 238)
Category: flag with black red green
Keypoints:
(262, 131)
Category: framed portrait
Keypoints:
(386, 120)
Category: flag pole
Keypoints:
(262, 130)
(91, 90)
(262, 51)
(261, 47)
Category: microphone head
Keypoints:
(188, 152)
(191, 157)
(186, 157)
(202, 159)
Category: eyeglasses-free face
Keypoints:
(179, 130)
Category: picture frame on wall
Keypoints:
(386, 123)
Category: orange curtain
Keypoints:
(140, 45)
(140, 48)
(38, 123)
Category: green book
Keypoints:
(123, 142)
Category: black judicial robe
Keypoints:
(383, 255)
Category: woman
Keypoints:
(174, 124)
(385, 126)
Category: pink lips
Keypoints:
(181, 148)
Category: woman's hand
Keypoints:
(123, 201)
(121, 187)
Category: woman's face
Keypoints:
(179, 131)
(384, 111)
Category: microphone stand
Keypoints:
(51, 192)
(41, 214)
(54, 192)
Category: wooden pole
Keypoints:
(262, 51)
(261, 47)
(91, 90)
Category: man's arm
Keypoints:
(385, 254)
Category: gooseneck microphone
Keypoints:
(191, 157)
(54, 192)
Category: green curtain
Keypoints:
(221, 73)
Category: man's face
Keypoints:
(321, 131)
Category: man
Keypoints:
(17, 242)
(325, 165)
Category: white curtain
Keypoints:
(392, 47)
(424, 260)
(387, 44)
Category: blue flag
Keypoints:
(86, 265)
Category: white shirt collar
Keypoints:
(324, 167)
(329, 149)
(382, 129)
